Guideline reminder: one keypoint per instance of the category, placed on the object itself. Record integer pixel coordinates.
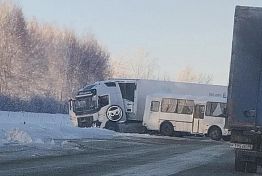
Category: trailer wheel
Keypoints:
(215, 133)
(166, 128)
(244, 166)
(240, 166)
(251, 167)
(112, 126)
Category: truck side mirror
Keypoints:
(71, 104)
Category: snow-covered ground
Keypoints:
(40, 128)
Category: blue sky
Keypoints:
(178, 33)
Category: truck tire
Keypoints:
(215, 133)
(112, 126)
(251, 167)
(244, 166)
(167, 129)
(240, 166)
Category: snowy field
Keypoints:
(40, 128)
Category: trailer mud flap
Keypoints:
(259, 103)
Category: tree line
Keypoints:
(42, 65)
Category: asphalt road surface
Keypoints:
(122, 155)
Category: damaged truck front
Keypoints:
(245, 89)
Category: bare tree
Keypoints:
(90, 62)
(189, 75)
(45, 60)
(13, 48)
(140, 65)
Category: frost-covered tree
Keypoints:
(13, 49)
(88, 62)
(138, 65)
(188, 74)
(43, 60)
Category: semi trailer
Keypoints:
(245, 89)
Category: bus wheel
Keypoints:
(111, 126)
(166, 128)
(240, 166)
(215, 133)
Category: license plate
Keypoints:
(242, 146)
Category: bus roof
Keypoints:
(189, 97)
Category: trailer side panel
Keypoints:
(244, 101)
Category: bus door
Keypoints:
(197, 117)
(151, 116)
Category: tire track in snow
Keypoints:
(177, 163)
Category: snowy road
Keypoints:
(122, 155)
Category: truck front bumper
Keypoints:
(85, 121)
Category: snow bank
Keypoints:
(19, 136)
(40, 128)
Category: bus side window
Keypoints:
(199, 111)
(154, 106)
(169, 105)
(202, 111)
(216, 109)
(103, 100)
(185, 106)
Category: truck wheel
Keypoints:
(251, 167)
(111, 126)
(240, 166)
(167, 129)
(215, 133)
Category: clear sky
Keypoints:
(179, 33)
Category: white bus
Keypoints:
(118, 103)
(179, 114)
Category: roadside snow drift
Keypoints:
(26, 128)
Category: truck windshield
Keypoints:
(85, 104)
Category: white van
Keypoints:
(179, 114)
